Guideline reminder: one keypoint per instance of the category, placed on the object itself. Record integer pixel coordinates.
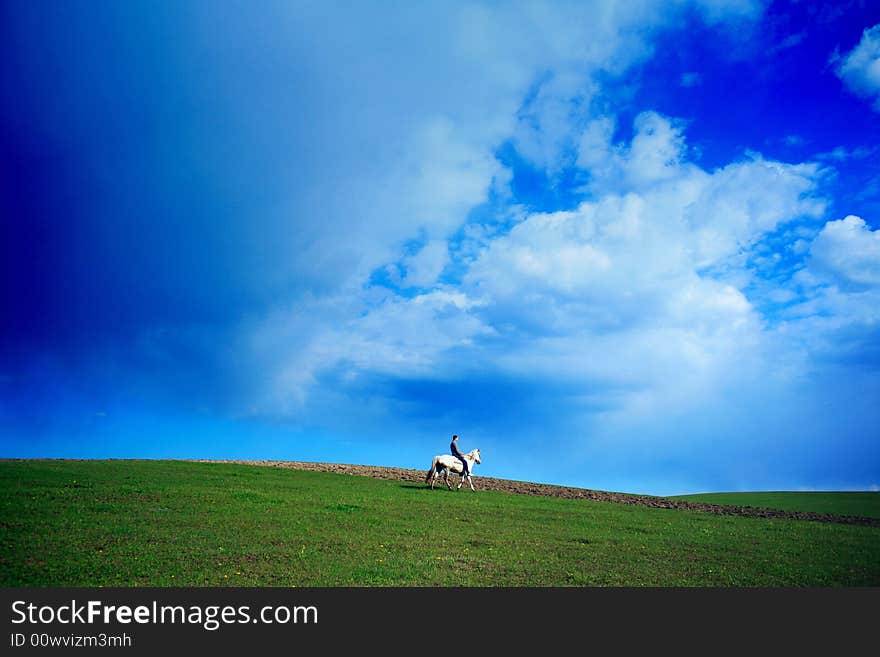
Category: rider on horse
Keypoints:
(454, 447)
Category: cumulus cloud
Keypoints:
(424, 267)
(594, 147)
(353, 337)
(723, 211)
(646, 281)
(591, 38)
(655, 153)
(386, 167)
(848, 252)
(835, 317)
(842, 154)
(614, 291)
(860, 68)
(610, 295)
(745, 200)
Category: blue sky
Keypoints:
(631, 246)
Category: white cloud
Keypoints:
(655, 153)
(842, 154)
(656, 150)
(389, 132)
(445, 176)
(375, 333)
(583, 40)
(611, 290)
(594, 147)
(848, 252)
(836, 318)
(743, 201)
(405, 336)
(860, 68)
(724, 211)
(544, 130)
(423, 268)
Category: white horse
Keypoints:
(447, 463)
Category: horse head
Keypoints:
(475, 453)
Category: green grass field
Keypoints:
(841, 504)
(136, 523)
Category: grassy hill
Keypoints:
(841, 504)
(136, 523)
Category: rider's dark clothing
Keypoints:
(454, 448)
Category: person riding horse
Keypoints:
(446, 463)
(453, 446)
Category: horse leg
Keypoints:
(433, 479)
(471, 483)
(446, 478)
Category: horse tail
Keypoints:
(431, 471)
